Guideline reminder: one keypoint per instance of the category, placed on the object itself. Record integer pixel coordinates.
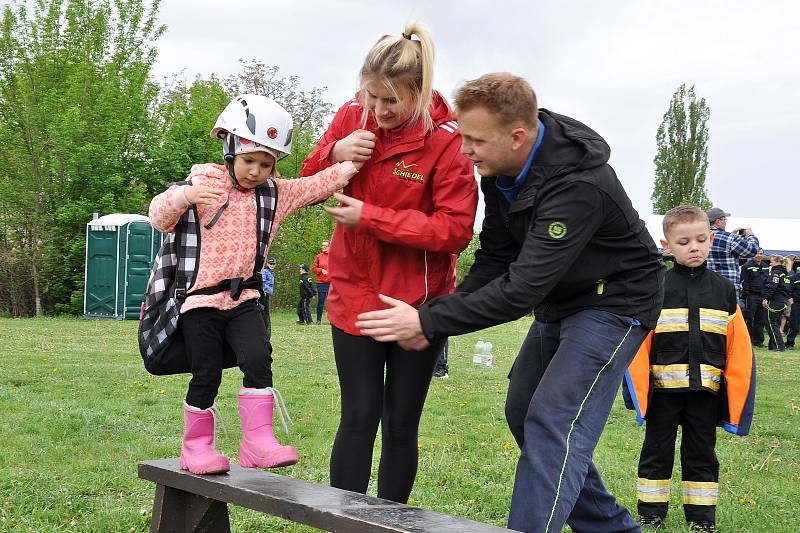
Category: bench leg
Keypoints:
(179, 511)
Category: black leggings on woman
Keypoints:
(367, 400)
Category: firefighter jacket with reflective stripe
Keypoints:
(796, 287)
(754, 275)
(778, 288)
(701, 342)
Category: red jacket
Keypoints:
(320, 264)
(419, 196)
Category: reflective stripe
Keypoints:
(700, 492)
(670, 376)
(710, 377)
(673, 320)
(714, 321)
(653, 490)
(677, 376)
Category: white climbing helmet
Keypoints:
(257, 119)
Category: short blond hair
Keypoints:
(682, 214)
(510, 98)
(400, 60)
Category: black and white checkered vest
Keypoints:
(174, 272)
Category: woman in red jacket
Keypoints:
(401, 223)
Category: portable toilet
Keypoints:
(120, 250)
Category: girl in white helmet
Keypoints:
(238, 207)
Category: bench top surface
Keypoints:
(320, 506)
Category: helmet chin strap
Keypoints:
(229, 165)
(218, 214)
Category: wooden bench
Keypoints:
(187, 502)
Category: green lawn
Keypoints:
(78, 411)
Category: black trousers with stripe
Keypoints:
(697, 414)
(774, 330)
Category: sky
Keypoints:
(613, 65)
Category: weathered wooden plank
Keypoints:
(323, 507)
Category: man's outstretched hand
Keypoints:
(399, 323)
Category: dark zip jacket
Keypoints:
(700, 343)
(570, 241)
(795, 278)
(754, 275)
(306, 289)
(778, 288)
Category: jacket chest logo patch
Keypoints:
(404, 172)
(557, 230)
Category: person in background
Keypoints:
(794, 316)
(441, 370)
(728, 247)
(777, 296)
(268, 284)
(306, 293)
(320, 269)
(787, 264)
(753, 275)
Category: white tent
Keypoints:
(775, 235)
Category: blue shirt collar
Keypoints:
(510, 189)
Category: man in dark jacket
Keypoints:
(560, 236)
(754, 274)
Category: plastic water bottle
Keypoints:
(487, 354)
(477, 354)
(482, 354)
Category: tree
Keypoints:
(184, 118)
(75, 99)
(682, 155)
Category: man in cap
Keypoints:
(306, 293)
(727, 247)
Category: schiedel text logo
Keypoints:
(401, 170)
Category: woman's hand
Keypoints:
(348, 213)
(201, 194)
(356, 147)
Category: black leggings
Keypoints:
(206, 331)
(367, 400)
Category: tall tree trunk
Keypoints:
(37, 297)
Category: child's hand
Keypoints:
(201, 194)
(356, 147)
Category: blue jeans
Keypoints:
(562, 387)
(322, 295)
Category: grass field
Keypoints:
(78, 411)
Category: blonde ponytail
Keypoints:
(401, 60)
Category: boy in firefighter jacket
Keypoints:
(235, 210)
(696, 370)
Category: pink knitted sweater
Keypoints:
(228, 250)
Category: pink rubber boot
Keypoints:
(259, 447)
(198, 454)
